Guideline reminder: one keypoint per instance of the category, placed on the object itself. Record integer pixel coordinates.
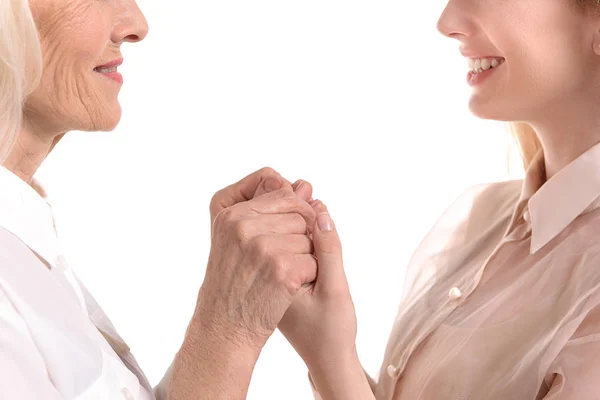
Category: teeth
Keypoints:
(478, 65)
(107, 70)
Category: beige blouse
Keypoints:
(502, 297)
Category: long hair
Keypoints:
(527, 141)
(20, 67)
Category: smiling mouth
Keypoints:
(106, 70)
(479, 65)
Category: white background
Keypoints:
(365, 99)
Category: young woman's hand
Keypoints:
(321, 323)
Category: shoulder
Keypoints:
(480, 212)
(494, 198)
(15, 255)
(10, 245)
(22, 274)
(481, 207)
(492, 205)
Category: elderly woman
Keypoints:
(59, 64)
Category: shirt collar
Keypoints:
(25, 214)
(554, 203)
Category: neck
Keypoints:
(567, 132)
(31, 148)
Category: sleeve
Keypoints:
(575, 373)
(318, 396)
(161, 390)
(23, 373)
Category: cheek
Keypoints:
(552, 70)
(542, 70)
(74, 38)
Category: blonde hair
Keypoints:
(20, 67)
(527, 141)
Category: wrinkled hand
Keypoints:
(265, 180)
(259, 261)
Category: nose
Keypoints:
(456, 20)
(132, 26)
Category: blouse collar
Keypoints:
(554, 203)
(25, 214)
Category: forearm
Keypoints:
(341, 379)
(211, 367)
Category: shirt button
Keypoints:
(392, 371)
(127, 394)
(455, 293)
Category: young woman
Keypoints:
(502, 298)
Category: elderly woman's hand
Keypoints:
(260, 260)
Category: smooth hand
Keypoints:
(321, 323)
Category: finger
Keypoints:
(272, 183)
(303, 189)
(318, 207)
(305, 268)
(241, 191)
(281, 224)
(281, 202)
(289, 244)
(328, 251)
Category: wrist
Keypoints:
(327, 362)
(341, 378)
(220, 341)
(210, 366)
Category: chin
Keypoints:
(489, 110)
(108, 121)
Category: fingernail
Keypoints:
(272, 183)
(298, 185)
(324, 222)
(313, 202)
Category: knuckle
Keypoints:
(266, 171)
(218, 196)
(243, 229)
(223, 218)
(215, 200)
(281, 270)
(261, 247)
(299, 221)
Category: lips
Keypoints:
(109, 67)
(109, 70)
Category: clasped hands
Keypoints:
(276, 262)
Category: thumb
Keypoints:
(328, 251)
(272, 183)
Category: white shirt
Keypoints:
(56, 343)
